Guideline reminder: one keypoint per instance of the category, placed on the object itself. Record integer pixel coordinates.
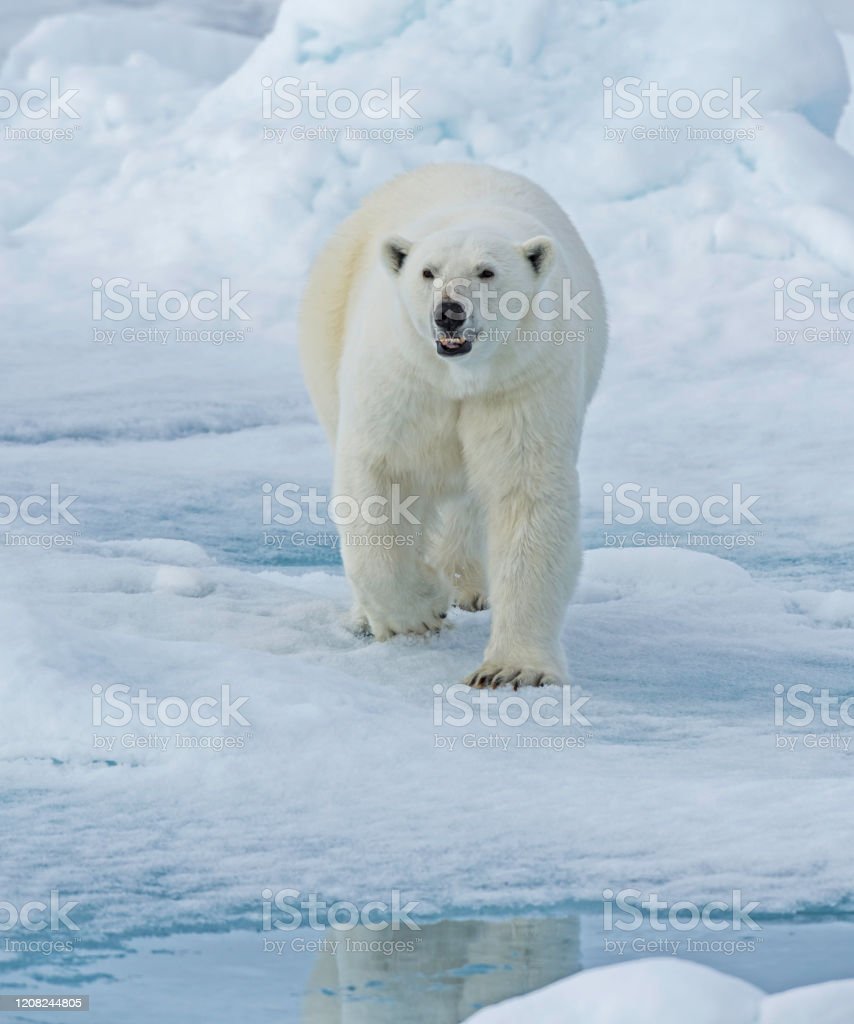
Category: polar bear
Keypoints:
(452, 333)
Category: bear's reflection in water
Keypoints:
(450, 969)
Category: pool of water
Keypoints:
(439, 974)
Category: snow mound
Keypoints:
(671, 992)
(830, 1003)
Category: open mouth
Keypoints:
(454, 345)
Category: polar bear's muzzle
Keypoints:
(452, 337)
(455, 345)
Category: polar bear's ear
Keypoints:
(540, 253)
(395, 250)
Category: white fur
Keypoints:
(488, 440)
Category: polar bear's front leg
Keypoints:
(459, 552)
(382, 548)
(534, 559)
(528, 484)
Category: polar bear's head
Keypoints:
(468, 289)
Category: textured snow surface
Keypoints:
(671, 992)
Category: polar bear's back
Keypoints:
(388, 210)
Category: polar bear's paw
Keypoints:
(491, 675)
(356, 621)
(411, 602)
(471, 600)
(416, 623)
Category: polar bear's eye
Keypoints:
(484, 275)
(427, 274)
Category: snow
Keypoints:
(704, 645)
(660, 991)
(342, 783)
(832, 1003)
(671, 992)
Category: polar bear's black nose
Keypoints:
(450, 316)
